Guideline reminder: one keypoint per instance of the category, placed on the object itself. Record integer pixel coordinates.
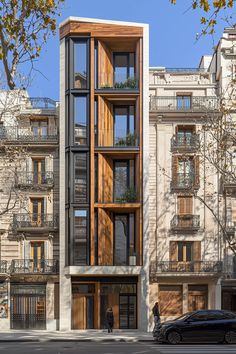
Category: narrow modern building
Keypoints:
(103, 174)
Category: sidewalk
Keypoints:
(75, 336)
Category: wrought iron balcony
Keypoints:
(35, 221)
(192, 103)
(42, 266)
(26, 135)
(185, 70)
(118, 138)
(3, 266)
(231, 228)
(35, 179)
(185, 143)
(107, 81)
(185, 267)
(229, 180)
(185, 222)
(39, 103)
(184, 181)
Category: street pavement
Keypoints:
(112, 348)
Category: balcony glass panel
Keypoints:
(80, 65)
(124, 126)
(80, 183)
(121, 237)
(124, 190)
(80, 120)
(80, 241)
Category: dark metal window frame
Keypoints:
(128, 174)
(127, 215)
(127, 54)
(72, 235)
(72, 121)
(72, 192)
(73, 42)
(115, 106)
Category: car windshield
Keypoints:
(183, 317)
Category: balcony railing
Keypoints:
(30, 179)
(39, 103)
(177, 104)
(42, 266)
(25, 134)
(185, 70)
(185, 267)
(114, 81)
(118, 138)
(32, 221)
(185, 222)
(182, 181)
(190, 143)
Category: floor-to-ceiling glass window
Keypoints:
(124, 126)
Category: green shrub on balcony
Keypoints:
(129, 140)
(129, 196)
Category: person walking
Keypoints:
(156, 313)
(110, 319)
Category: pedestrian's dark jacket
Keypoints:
(155, 311)
(110, 317)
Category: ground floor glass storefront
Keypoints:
(90, 300)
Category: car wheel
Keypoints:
(174, 337)
(230, 337)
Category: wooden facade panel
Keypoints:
(105, 123)
(79, 312)
(170, 300)
(113, 301)
(105, 238)
(99, 30)
(105, 65)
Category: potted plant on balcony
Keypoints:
(129, 196)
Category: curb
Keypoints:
(114, 340)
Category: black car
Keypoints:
(199, 326)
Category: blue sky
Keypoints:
(173, 32)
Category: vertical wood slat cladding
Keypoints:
(100, 30)
(92, 169)
(105, 239)
(105, 65)
(78, 313)
(105, 125)
(105, 179)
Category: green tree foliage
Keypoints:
(212, 9)
(24, 28)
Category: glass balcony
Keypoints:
(178, 104)
(129, 196)
(31, 179)
(185, 267)
(39, 103)
(35, 221)
(45, 266)
(116, 138)
(107, 81)
(189, 142)
(185, 222)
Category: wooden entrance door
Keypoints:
(197, 297)
(83, 311)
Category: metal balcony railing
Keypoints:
(39, 103)
(185, 222)
(185, 70)
(179, 104)
(29, 179)
(117, 138)
(186, 267)
(26, 221)
(3, 266)
(115, 81)
(45, 266)
(25, 134)
(183, 181)
(180, 142)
